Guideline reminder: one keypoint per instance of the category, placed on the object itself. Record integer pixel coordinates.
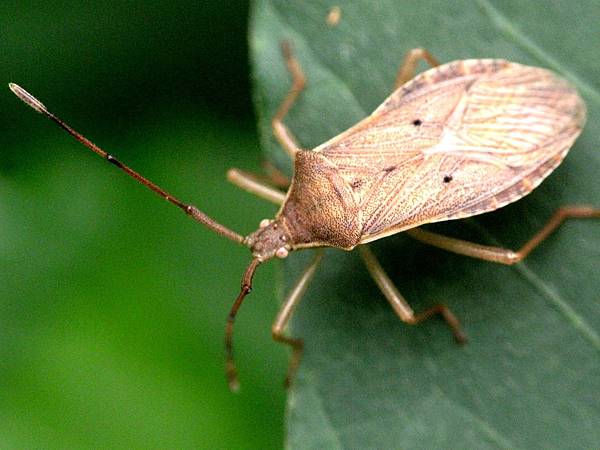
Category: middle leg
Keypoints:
(399, 303)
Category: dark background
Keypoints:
(112, 302)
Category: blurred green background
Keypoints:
(112, 302)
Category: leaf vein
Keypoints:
(497, 437)
(548, 293)
(504, 25)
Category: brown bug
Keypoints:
(460, 139)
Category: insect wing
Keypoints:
(458, 140)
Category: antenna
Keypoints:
(190, 210)
(230, 369)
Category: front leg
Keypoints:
(280, 130)
(409, 65)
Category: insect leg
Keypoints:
(276, 176)
(399, 303)
(281, 132)
(409, 65)
(252, 184)
(503, 255)
(285, 313)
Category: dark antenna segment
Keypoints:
(190, 210)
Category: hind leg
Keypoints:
(504, 255)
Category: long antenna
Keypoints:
(190, 210)
(230, 369)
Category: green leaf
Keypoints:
(530, 376)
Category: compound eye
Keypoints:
(282, 252)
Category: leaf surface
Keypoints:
(530, 375)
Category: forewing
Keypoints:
(458, 140)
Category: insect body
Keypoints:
(458, 140)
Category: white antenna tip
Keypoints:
(28, 98)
